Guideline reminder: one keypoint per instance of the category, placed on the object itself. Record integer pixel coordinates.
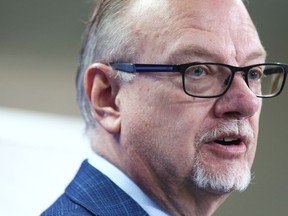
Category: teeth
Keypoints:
(228, 139)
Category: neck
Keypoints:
(178, 196)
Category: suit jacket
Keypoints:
(92, 193)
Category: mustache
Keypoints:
(229, 128)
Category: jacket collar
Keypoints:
(98, 194)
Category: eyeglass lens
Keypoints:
(208, 80)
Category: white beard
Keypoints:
(231, 175)
(223, 181)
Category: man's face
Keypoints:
(175, 140)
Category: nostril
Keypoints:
(232, 115)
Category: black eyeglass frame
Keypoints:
(151, 68)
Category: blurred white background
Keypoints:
(41, 132)
(39, 155)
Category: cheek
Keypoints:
(252, 151)
(160, 129)
(254, 122)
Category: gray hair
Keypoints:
(107, 39)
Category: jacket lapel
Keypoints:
(98, 194)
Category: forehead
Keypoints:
(213, 28)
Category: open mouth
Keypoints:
(228, 145)
(228, 141)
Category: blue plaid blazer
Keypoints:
(92, 193)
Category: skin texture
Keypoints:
(151, 129)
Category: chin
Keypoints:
(225, 179)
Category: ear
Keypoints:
(102, 90)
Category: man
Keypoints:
(171, 95)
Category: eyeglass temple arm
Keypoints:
(133, 68)
(270, 71)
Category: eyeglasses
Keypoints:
(210, 80)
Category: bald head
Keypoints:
(158, 27)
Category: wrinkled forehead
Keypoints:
(198, 11)
(162, 23)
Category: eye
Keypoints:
(255, 74)
(196, 71)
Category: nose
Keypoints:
(238, 102)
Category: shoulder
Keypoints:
(93, 193)
(63, 206)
